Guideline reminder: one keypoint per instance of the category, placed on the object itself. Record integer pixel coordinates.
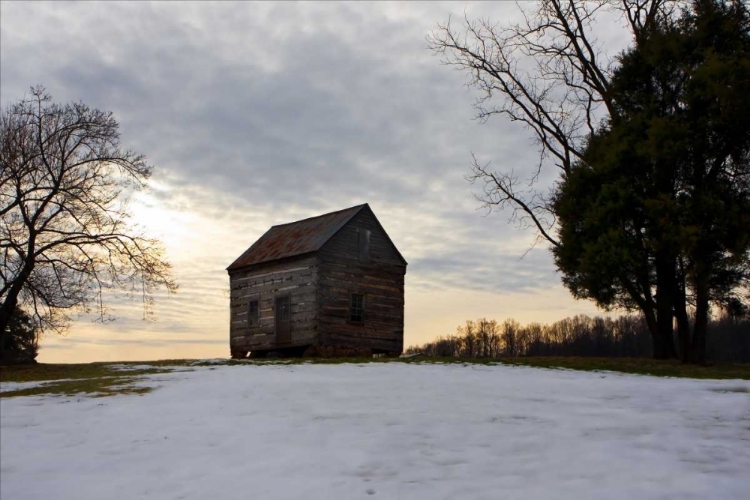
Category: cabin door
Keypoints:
(283, 320)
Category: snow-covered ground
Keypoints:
(383, 431)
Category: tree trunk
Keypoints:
(10, 302)
(665, 287)
(656, 339)
(701, 286)
(698, 347)
(683, 325)
(7, 309)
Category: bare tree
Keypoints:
(624, 336)
(65, 231)
(548, 73)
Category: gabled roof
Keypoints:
(295, 238)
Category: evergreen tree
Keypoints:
(21, 343)
(656, 214)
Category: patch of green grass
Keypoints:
(641, 366)
(92, 379)
(43, 371)
(92, 387)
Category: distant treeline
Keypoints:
(625, 336)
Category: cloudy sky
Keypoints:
(256, 114)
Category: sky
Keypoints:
(255, 114)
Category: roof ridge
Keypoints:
(297, 237)
(321, 215)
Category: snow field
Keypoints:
(383, 431)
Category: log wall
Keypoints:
(380, 278)
(296, 277)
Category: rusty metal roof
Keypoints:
(295, 238)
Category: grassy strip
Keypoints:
(641, 366)
(93, 379)
(43, 371)
(92, 387)
(109, 378)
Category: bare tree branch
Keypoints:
(547, 72)
(65, 230)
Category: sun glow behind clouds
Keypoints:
(194, 322)
(188, 324)
(257, 114)
(173, 227)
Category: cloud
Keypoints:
(256, 114)
(71, 342)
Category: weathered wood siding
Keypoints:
(380, 278)
(346, 242)
(296, 277)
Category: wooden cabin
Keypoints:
(331, 285)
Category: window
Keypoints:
(364, 245)
(253, 313)
(357, 308)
